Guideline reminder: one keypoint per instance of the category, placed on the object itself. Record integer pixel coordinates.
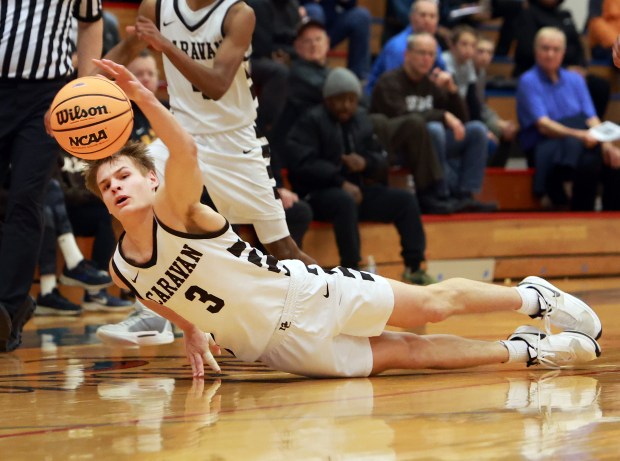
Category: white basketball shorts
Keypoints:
(327, 320)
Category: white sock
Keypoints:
(70, 250)
(530, 304)
(517, 350)
(48, 283)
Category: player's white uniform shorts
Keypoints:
(237, 178)
(326, 323)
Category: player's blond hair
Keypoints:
(134, 150)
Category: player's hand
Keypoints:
(199, 348)
(123, 78)
(46, 122)
(289, 198)
(147, 31)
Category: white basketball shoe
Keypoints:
(555, 351)
(142, 328)
(563, 310)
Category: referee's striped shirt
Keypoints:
(35, 36)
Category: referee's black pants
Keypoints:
(31, 153)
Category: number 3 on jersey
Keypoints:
(195, 292)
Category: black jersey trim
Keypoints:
(158, 14)
(199, 23)
(204, 235)
(127, 283)
(151, 262)
(224, 20)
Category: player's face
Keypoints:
(124, 187)
(420, 59)
(549, 52)
(425, 18)
(342, 106)
(145, 70)
(313, 45)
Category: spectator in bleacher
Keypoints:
(395, 19)
(459, 63)
(555, 112)
(307, 74)
(500, 131)
(460, 144)
(423, 17)
(548, 13)
(343, 20)
(603, 30)
(336, 162)
(272, 50)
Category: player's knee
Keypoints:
(441, 299)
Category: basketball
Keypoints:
(91, 118)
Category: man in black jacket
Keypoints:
(336, 163)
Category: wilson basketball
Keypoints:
(91, 118)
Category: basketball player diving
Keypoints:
(183, 260)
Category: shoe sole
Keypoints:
(144, 339)
(46, 310)
(96, 307)
(77, 283)
(533, 280)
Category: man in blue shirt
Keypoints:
(424, 17)
(555, 112)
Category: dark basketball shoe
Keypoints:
(85, 276)
(24, 314)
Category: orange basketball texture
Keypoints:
(91, 117)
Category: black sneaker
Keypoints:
(105, 302)
(21, 318)
(468, 204)
(85, 276)
(432, 204)
(56, 304)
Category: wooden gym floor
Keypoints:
(65, 396)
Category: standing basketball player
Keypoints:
(206, 45)
(182, 259)
(35, 62)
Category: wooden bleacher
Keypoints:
(513, 245)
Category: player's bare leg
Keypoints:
(415, 306)
(402, 350)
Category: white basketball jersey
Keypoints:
(216, 281)
(199, 35)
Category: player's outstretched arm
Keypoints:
(182, 187)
